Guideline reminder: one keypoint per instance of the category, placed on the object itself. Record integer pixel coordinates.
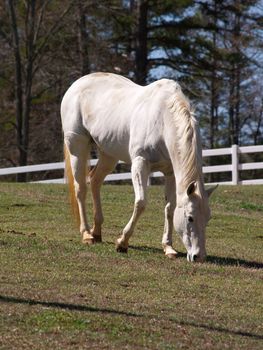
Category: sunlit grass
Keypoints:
(56, 292)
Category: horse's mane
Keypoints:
(187, 140)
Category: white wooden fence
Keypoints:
(234, 167)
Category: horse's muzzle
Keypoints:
(195, 258)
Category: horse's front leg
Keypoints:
(140, 173)
(170, 197)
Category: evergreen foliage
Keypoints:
(213, 48)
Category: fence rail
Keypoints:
(234, 167)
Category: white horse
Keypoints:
(152, 128)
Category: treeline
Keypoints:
(213, 48)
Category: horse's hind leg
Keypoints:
(79, 150)
(140, 173)
(104, 166)
(170, 197)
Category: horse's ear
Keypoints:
(191, 188)
(209, 190)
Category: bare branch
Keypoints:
(52, 30)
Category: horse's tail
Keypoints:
(70, 180)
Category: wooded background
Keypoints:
(213, 48)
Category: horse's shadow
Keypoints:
(146, 249)
(211, 259)
(227, 261)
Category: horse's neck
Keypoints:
(185, 176)
(184, 146)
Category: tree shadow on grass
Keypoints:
(66, 306)
(85, 308)
(217, 329)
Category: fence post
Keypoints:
(234, 152)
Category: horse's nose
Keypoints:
(198, 258)
(192, 257)
(195, 257)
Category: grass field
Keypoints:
(56, 293)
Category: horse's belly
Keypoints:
(115, 147)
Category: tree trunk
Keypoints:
(237, 73)
(235, 77)
(23, 91)
(18, 88)
(257, 133)
(83, 39)
(214, 82)
(141, 51)
(237, 107)
(231, 108)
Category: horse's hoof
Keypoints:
(96, 234)
(97, 239)
(121, 249)
(88, 239)
(170, 252)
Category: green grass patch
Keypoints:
(251, 206)
(57, 293)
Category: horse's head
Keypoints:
(191, 216)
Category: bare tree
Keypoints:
(141, 52)
(83, 37)
(28, 46)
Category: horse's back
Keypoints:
(96, 89)
(96, 105)
(123, 118)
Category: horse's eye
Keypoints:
(190, 219)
